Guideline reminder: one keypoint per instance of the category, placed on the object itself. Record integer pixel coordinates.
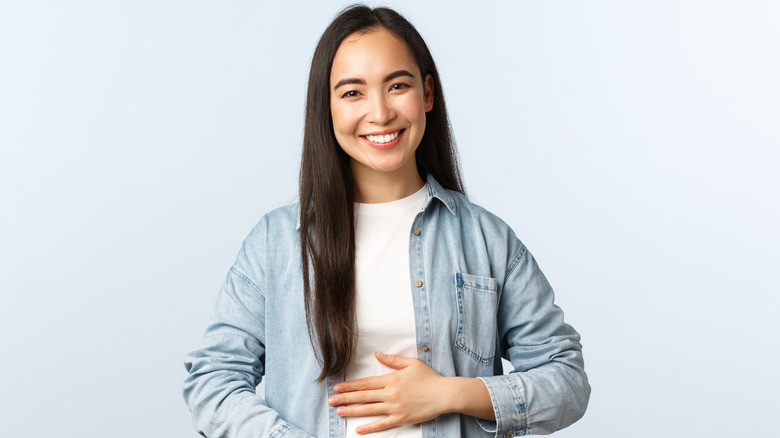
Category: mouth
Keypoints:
(383, 141)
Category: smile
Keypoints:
(383, 138)
(385, 141)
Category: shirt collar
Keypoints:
(435, 190)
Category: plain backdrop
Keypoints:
(632, 145)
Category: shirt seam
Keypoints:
(516, 261)
(247, 281)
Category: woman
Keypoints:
(383, 301)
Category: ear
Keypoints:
(428, 96)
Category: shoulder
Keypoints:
(276, 231)
(478, 215)
(464, 211)
(483, 232)
(279, 222)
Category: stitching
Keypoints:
(278, 430)
(460, 284)
(243, 277)
(516, 387)
(518, 258)
(475, 282)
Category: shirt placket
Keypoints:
(337, 427)
(422, 320)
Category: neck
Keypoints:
(374, 188)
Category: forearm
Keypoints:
(221, 393)
(237, 414)
(538, 401)
(469, 396)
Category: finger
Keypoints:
(376, 426)
(366, 410)
(394, 360)
(349, 398)
(365, 384)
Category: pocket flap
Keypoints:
(487, 284)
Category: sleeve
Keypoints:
(547, 389)
(224, 372)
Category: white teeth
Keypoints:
(383, 138)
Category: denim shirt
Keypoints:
(478, 296)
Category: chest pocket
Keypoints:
(477, 315)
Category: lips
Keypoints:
(384, 140)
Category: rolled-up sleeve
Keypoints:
(547, 389)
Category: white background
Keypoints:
(633, 146)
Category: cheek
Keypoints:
(415, 107)
(343, 120)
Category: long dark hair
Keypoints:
(327, 187)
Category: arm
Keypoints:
(224, 371)
(413, 394)
(548, 388)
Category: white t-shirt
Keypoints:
(385, 312)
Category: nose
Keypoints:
(380, 111)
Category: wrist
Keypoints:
(468, 395)
(455, 394)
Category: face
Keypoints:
(378, 102)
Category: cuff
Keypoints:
(509, 406)
(286, 430)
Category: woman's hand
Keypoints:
(413, 394)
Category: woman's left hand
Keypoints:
(413, 394)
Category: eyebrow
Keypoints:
(388, 78)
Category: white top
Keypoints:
(385, 312)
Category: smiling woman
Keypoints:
(378, 107)
(383, 301)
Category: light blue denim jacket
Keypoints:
(482, 297)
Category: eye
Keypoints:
(351, 93)
(399, 86)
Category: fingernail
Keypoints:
(338, 388)
(359, 430)
(381, 354)
(341, 411)
(333, 400)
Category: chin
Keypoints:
(386, 169)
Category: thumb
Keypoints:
(394, 360)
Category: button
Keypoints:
(510, 432)
(416, 231)
(424, 348)
(418, 283)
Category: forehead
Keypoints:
(368, 54)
